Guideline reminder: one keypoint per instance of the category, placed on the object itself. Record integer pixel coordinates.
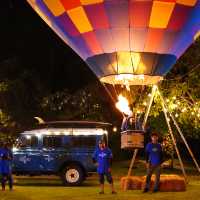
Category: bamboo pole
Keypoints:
(172, 136)
(185, 141)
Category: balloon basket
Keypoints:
(132, 139)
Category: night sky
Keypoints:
(29, 42)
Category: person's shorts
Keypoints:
(108, 177)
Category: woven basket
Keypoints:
(132, 139)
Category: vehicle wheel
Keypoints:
(72, 175)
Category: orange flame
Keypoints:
(123, 105)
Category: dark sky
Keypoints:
(25, 39)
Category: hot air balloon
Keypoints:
(134, 42)
(126, 42)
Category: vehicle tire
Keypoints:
(73, 175)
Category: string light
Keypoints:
(114, 129)
(173, 106)
(28, 137)
(168, 119)
(183, 110)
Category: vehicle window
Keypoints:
(28, 141)
(83, 141)
(52, 141)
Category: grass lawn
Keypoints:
(50, 188)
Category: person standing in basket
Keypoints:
(103, 157)
(154, 159)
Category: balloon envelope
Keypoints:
(131, 42)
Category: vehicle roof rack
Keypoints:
(74, 124)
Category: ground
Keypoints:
(50, 188)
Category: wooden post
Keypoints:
(172, 136)
(185, 141)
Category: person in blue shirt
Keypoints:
(131, 122)
(128, 123)
(103, 157)
(6, 166)
(154, 159)
(1, 148)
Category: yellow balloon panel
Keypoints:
(146, 64)
(135, 60)
(55, 7)
(187, 2)
(124, 64)
(80, 19)
(161, 13)
(88, 2)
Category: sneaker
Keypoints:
(102, 192)
(145, 190)
(113, 192)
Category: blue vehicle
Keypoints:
(63, 148)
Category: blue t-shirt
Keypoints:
(154, 153)
(6, 161)
(103, 158)
(1, 151)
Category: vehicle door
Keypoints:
(27, 156)
(83, 147)
(51, 152)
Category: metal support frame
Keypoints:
(167, 115)
(172, 136)
(154, 88)
(185, 141)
